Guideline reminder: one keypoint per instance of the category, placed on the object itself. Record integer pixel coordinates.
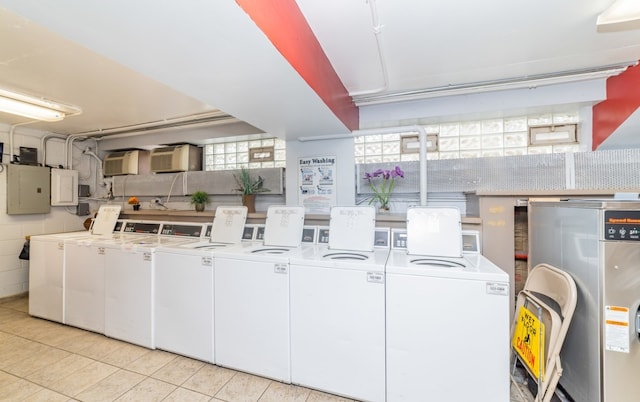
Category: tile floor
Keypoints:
(45, 361)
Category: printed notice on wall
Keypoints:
(317, 183)
(616, 332)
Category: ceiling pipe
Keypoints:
(150, 130)
(377, 31)
(69, 149)
(43, 144)
(216, 117)
(528, 82)
(422, 136)
(12, 129)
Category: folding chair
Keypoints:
(550, 295)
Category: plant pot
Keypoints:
(136, 207)
(199, 207)
(249, 201)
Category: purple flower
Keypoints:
(382, 190)
(399, 172)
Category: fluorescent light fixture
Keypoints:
(34, 108)
(620, 16)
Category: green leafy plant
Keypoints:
(200, 197)
(247, 184)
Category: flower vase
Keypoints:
(249, 201)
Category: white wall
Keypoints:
(342, 149)
(14, 273)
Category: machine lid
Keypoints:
(434, 231)
(271, 250)
(352, 228)
(436, 262)
(283, 226)
(208, 246)
(228, 224)
(106, 219)
(345, 256)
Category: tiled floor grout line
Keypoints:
(192, 381)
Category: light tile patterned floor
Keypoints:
(45, 361)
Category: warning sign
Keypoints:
(616, 332)
(528, 341)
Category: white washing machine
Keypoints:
(184, 287)
(84, 273)
(46, 274)
(251, 298)
(338, 310)
(447, 327)
(129, 281)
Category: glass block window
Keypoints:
(235, 154)
(468, 139)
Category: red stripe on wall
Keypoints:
(623, 98)
(285, 26)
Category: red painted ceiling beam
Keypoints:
(623, 98)
(285, 26)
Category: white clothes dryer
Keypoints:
(46, 274)
(337, 310)
(251, 298)
(129, 281)
(84, 273)
(447, 323)
(184, 287)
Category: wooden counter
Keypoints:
(382, 220)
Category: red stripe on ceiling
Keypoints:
(623, 98)
(285, 26)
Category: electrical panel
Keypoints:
(64, 187)
(28, 189)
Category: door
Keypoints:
(45, 279)
(128, 292)
(84, 286)
(251, 304)
(621, 343)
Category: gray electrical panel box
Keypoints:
(28, 190)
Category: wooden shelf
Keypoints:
(382, 220)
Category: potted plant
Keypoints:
(199, 199)
(134, 202)
(381, 183)
(249, 187)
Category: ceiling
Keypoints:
(134, 65)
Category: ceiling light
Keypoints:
(621, 15)
(34, 108)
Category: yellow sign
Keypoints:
(528, 341)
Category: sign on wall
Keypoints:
(317, 183)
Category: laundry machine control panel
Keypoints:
(622, 225)
(141, 227)
(183, 230)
